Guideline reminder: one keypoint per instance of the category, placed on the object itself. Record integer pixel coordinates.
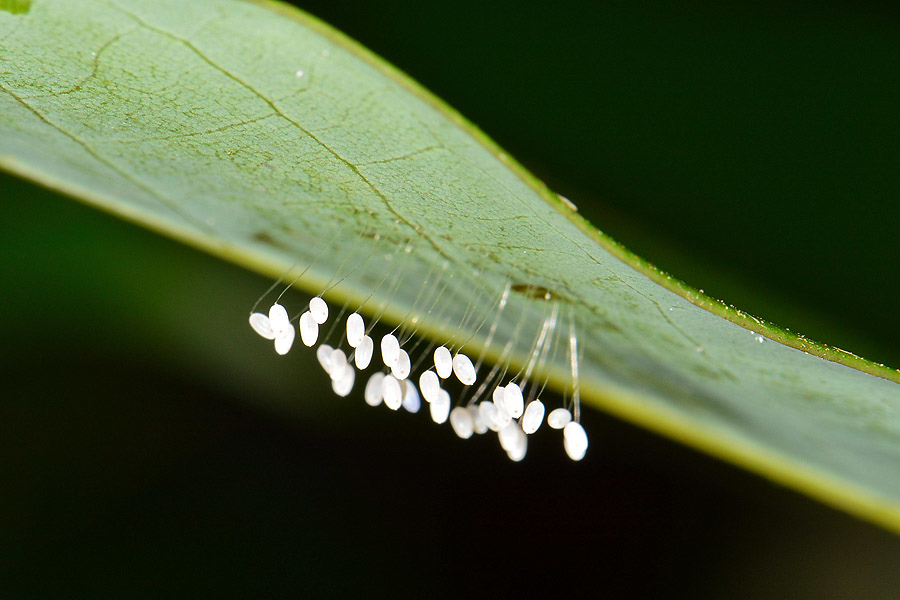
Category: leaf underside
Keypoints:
(254, 132)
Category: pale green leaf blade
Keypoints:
(258, 134)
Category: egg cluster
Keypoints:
(508, 412)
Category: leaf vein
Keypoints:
(354, 168)
(162, 199)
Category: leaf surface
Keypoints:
(257, 133)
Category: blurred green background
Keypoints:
(153, 446)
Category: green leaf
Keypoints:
(255, 132)
(16, 7)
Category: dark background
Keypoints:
(150, 446)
